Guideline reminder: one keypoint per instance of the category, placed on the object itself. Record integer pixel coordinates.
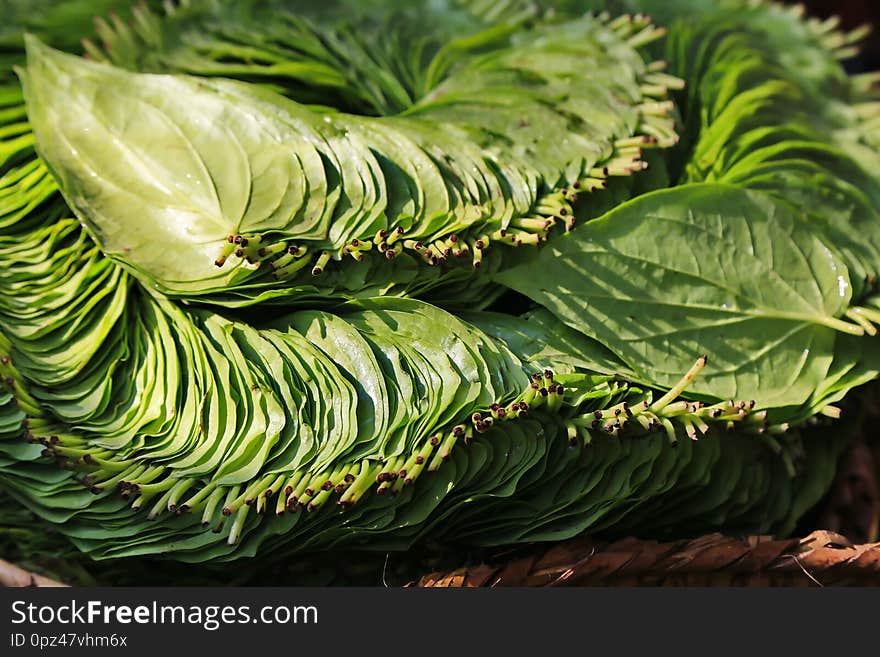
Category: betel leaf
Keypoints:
(111, 152)
(204, 186)
(702, 268)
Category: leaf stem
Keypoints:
(860, 317)
(840, 325)
(681, 386)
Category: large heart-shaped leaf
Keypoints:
(701, 269)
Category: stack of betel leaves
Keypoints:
(280, 277)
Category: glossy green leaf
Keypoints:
(701, 269)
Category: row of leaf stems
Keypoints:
(843, 45)
(285, 260)
(156, 489)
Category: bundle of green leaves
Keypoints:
(286, 277)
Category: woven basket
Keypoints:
(822, 558)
